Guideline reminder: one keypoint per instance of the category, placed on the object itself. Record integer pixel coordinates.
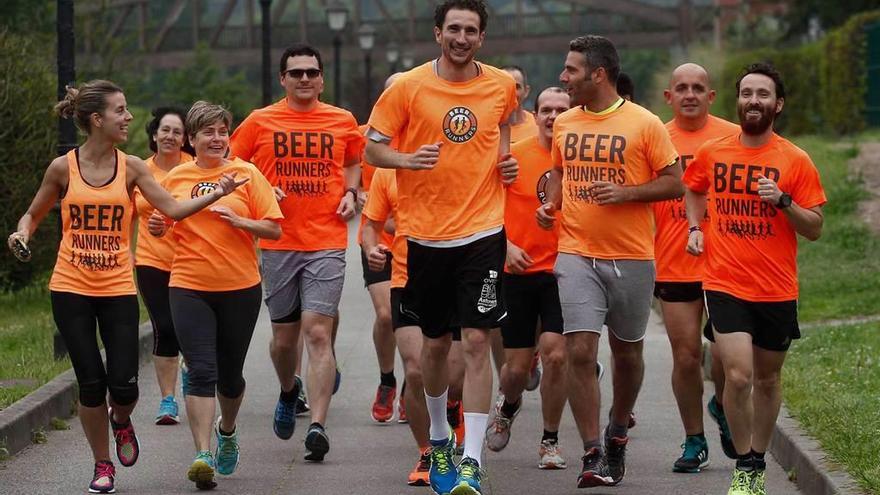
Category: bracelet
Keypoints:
(353, 192)
(695, 228)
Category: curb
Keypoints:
(55, 399)
(806, 462)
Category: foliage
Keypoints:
(28, 138)
(828, 14)
(27, 16)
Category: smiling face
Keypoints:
(304, 89)
(757, 104)
(170, 134)
(577, 79)
(460, 37)
(211, 141)
(114, 120)
(550, 105)
(689, 94)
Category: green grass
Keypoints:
(838, 274)
(832, 386)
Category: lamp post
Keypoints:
(392, 53)
(337, 16)
(267, 42)
(367, 38)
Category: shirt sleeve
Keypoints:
(807, 190)
(510, 103)
(354, 142)
(242, 144)
(391, 112)
(659, 150)
(261, 201)
(378, 207)
(555, 154)
(696, 177)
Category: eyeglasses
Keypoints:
(299, 73)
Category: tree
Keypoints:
(828, 14)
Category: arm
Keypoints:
(264, 229)
(695, 205)
(507, 164)
(546, 213)
(54, 181)
(381, 154)
(806, 221)
(376, 253)
(667, 185)
(352, 176)
(518, 260)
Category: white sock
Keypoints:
(474, 434)
(437, 413)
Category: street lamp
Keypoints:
(367, 38)
(408, 59)
(265, 12)
(337, 16)
(392, 53)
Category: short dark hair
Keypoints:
(478, 6)
(552, 89)
(153, 126)
(299, 49)
(599, 51)
(512, 67)
(767, 69)
(625, 86)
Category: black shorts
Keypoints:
(678, 291)
(371, 277)
(772, 325)
(530, 298)
(456, 286)
(400, 319)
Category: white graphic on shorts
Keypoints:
(489, 294)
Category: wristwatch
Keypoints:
(784, 201)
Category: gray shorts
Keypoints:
(296, 281)
(596, 292)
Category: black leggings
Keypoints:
(214, 330)
(153, 284)
(116, 318)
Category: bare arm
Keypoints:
(377, 254)
(264, 228)
(546, 213)
(54, 181)
(806, 221)
(382, 155)
(695, 205)
(667, 185)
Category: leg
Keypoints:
(237, 313)
(497, 343)
(736, 352)
(717, 370)
(554, 390)
(767, 396)
(683, 324)
(284, 351)
(409, 344)
(153, 286)
(117, 324)
(455, 362)
(383, 336)
(515, 373)
(583, 385)
(317, 331)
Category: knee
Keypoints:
(515, 372)
(92, 393)
(553, 360)
(580, 357)
(232, 387)
(738, 379)
(283, 342)
(768, 382)
(124, 394)
(383, 318)
(475, 344)
(413, 376)
(202, 380)
(688, 360)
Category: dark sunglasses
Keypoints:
(298, 73)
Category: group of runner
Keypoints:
(478, 214)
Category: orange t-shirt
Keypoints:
(674, 264)
(524, 130)
(524, 196)
(367, 172)
(93, 256)
(303, 153)
(212, 255)
(462, 195)
(381, 205)
(150, 250)
(750, 246)
(627, 146)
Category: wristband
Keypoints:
(695, 228)
(353, 192)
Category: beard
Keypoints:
(755, 127)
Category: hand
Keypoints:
(346, 211)
(695, 243)
(228, 184)
(768, 190)
(546, 216)
(157, 225)
(17, 243)
(508, 167)
(362, 199)
(226, 213)
(377, 257)
(608, 193)
(279, 194)
(425, 158)
(518, 260)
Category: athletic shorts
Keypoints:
(371, 277)
(678, 291)
(456, 286)
(297, 281)
(400, 319)
(596, 292)
(772, 325)
(530, 299)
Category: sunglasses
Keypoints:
(299, 73)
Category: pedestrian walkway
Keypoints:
(366, 458)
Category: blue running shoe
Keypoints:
(317, 443)
(443, 475)
(227, 451)
(201, 471)
(285, 419)
(168, 411)
(694, 457)
(718, 415)
(184, 378)
(469, 477)
(337, 380)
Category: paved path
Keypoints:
(366, 458)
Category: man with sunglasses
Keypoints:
(309, 151)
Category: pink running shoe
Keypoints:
(103, 481)
(127, 447)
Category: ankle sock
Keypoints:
(387, 379)
(508, 409)
(290, 396)
(745, 462)
(552, 436)
(760, 463)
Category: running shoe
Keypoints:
(168, 412)
(127, 446)
(595, 470)
(741, 482)
(615, 456)
(401, 411)
(694, 457)
(455, 418)
(337, 380)
(758, 481)
(421, 473)
(184, 378)
(534, 374)
(551, 456)
(383, 406)
(302, 405)
(201, 471)
(284, 421)
(469, 477)
(104, 479)
(498, 431)
(717, 414)
(227, 450)
(443, 475)
(317, 443)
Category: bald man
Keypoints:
(678, 285)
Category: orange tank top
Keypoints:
(94, 257)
